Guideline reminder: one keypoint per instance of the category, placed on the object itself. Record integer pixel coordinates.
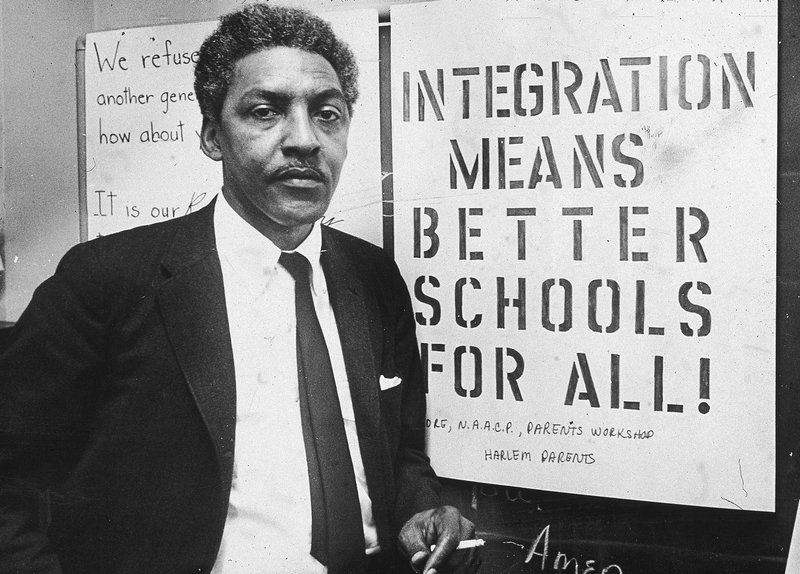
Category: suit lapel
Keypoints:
(358, 320)
(355, 319)
(192, 304)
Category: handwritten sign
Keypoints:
(142, 124)
(585, 214)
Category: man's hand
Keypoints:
(443, 527)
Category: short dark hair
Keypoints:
(257, 27)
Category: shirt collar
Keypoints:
(241, 243)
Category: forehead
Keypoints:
(283, 70)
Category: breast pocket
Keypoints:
(388, 383)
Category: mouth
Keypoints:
(300, 176)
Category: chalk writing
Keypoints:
(540, 547)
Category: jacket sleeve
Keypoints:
(48, 384)
(417, 485)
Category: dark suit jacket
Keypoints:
(117, 402)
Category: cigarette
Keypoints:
(464, 544)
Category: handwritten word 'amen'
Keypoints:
(541, 547)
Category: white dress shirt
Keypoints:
(268, 528)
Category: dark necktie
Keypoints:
(337, 534)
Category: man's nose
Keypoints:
(301, 135)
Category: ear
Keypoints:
(209, 139)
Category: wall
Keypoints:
(39, 143)
(38, 126)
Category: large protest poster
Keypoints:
(141, 128)
(585, 214)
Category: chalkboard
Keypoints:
(139, 126)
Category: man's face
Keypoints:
(282, 138)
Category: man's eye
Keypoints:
(329, 114)
(264, 113)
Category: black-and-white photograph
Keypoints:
(413, 287)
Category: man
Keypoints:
(237, 390)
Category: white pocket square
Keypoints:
(388, 383)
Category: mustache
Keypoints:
(299, 170)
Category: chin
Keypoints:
(303, 218)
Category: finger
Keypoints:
(467, 529)
(445, 547)
(418, 560)
(413, 538)
(446, 522)
(464, 529)
(460, 560)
